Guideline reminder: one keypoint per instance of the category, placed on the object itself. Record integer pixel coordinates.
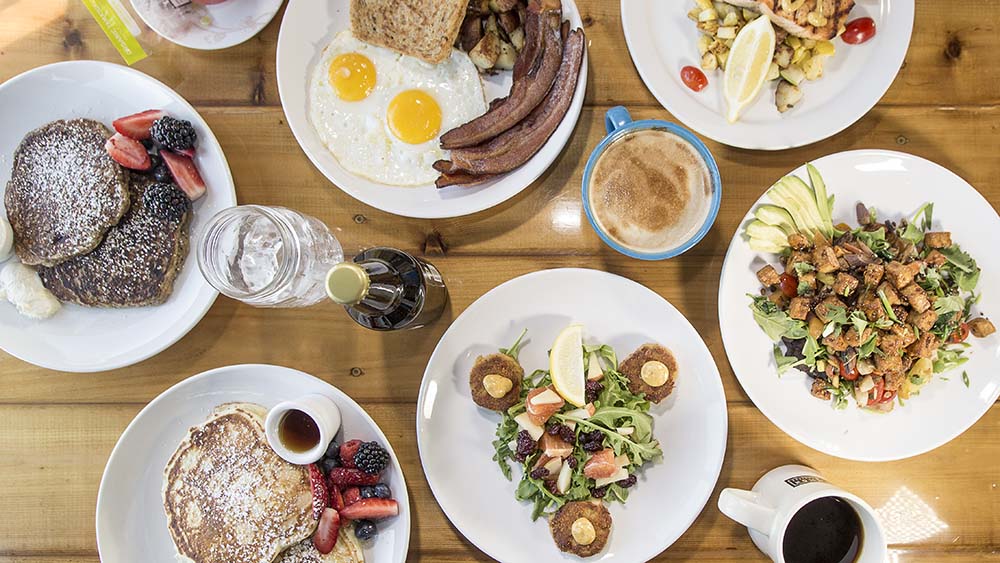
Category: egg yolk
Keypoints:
(352, 76)
(414, 117)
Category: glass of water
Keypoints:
(268, 256)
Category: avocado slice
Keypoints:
(776, 216)
(795, 196)
(766, 238)
(823, 201)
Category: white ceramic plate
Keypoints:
(218, 26)
(80, 339)
(131, 525)
(306, 29)
(896, 184)
(691, 425)
(662, 40)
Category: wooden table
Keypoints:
(58, 429)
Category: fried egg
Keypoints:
(381, 113)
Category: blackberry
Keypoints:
(365, 529)
(368, 492)
(572, 462)
(166, 200)
(371, 458)
(162, 174)
(593, 390)
(382, 490)
(175, 134)
(630, 481)
(525, 445)
(599, 492)
(539, 473)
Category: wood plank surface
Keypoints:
(56, 429)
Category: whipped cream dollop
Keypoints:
(21, 286)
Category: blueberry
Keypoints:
(364, 529)
(156, 161)
(150, 144)
(367, 492)
(162, 174)
(328, 464)
(382, 490)
(333, 450)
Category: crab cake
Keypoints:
(581, 527)
(652, 370)
(489, 382)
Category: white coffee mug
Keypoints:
(780, 494)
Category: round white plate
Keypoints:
(81, 339)
(218, 26)
(691, 425)
(896, 184)
(131, 525)
(306, 29)
(662, 40)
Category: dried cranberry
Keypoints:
(593, 389)
(539, 473)
(553, 487)
(626, 483)
(592, 446)
(572, 462)
(525, 445)
(599, 492)
(567, 434)
(553, 429)
(592, 436)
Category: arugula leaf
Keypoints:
(515, 349)
(915, 234)
(950, 304)
(775, 322)
(868, 346)
(962, 267)
(783, 362)
(506, 433)
(932, 281)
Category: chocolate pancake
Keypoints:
(140, 258)
(64, 192)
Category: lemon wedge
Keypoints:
(566, 366)
(748, 65)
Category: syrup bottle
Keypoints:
(388, 289)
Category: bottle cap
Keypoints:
(347, 283)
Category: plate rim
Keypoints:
(717, 386)
(733, 362)
(205, 47)
(229, 195)
(898, 56)
(279, 370)
(424, 211)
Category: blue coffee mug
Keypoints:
(619, 123)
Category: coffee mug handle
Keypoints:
(616, 118)
(745, 507)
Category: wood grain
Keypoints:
(56, 430)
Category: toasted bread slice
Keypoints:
(425, 29)
(64, 192)
(229, 498)
(140, 257)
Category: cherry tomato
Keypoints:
(694, 78)
(850, 375)
(875, 395)
(859, 31)
(959, 334)
(789, 285)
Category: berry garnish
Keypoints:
(321, 497)
(137, 125)
(345, 477)
(371, 458)
(365, 530)
(367, 492)
(371, 509)
(175, 134)
(382, 490)
(351, 495)
(329, 463)
(185, 174)
(127, 152)
(336, 499)
(162, 173)
(325, 538)
(333, 451)
(166, 201)
(347, 452)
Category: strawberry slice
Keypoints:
(137, 125)
(372, 509)
(601, 465)
(187, 152)
(185, 173)
(346, 477)
(347, 451)
(337, 499)
(325, 538)
(351, 495)
(128, 152)
(321, 497)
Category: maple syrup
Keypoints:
(298, 431)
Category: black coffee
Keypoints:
(827, 530)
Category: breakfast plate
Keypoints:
(662, 40)
(306, 30)
(690, 425)
(209, 26)
(79, 339)
(897, 185)
(131, 524)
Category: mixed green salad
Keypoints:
(583, 452)
(870, 313)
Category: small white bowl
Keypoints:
(321, 409)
